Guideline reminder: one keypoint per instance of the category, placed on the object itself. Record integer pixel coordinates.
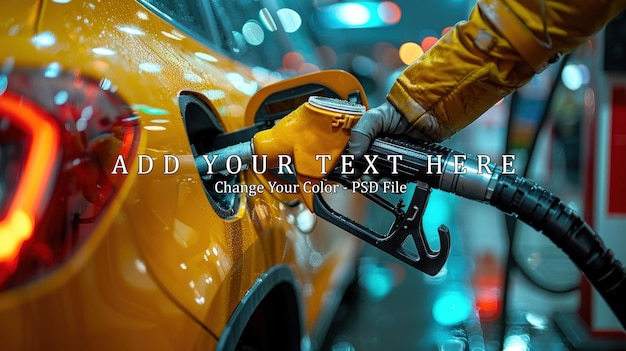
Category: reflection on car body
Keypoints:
(91, 259)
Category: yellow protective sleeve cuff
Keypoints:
(474, 65)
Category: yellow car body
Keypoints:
(162, 269)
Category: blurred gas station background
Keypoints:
(561, 128)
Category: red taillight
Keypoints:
(39, 143)
(59, 136)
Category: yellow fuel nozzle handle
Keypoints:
(319, 128)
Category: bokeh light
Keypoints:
(572, 76)
(389, 12)
(327, 56)
(377, 280)
(428, 42)
(517, 342)
(452, 307)
(357, 14)
(409, 52)
(363, 65)
(289, 19)
(267, 20)
(387, 54)
(292, 60)
(352, 14)
(307, 67)
(253, 33)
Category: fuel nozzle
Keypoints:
(319, 127)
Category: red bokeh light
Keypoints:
(293, 60)
(428, 42)
(389, 12)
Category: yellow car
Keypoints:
(109, 237)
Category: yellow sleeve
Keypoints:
(475, 64)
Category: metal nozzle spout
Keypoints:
(227, 159)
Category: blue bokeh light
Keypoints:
(452, 307)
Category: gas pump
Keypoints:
(596, 327)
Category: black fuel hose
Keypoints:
(440, 167)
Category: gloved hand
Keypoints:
(383, 119)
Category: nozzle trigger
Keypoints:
(410, 224)
(406, 226)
